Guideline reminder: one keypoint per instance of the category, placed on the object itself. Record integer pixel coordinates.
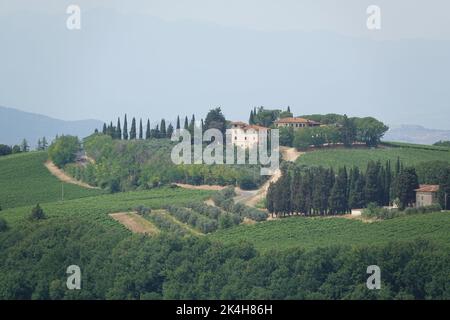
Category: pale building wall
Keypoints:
(244, 138)
(424, 199)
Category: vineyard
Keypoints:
(25, 181)
(97, 208)
(408, 154)
(311, 233)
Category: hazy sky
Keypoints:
(401, 18)
(167, 57)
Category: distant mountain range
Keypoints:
(16, 125)
(416, 134)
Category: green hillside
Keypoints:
(409, 154)
(310, 233)
(24, 180)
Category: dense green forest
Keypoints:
(117, 266)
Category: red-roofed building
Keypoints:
(296, 123)
(427, 195)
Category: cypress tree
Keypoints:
(125, 128)
(407, 182)
(388, 183)
(147, 131)
(104, 128)
(119, 130)
(186, 123)
(296, 192)
(155, 132)
(169, 131)
(444, 189)
(133, 129)
(162, 129)
(192, 125)
(371, 189)
(24, 146)
(397, 167)
(251, 118)
(112, 130)
(356, 196)
(141, 132)
(320, 191)
(338, 201)
(178, 123)
(44, 143)
(381, 185)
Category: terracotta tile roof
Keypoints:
(295, 120)
(239, 123)
(246, 126)
(255, 127)
(428, 188)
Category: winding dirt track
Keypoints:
(64, 177)
(253, 197)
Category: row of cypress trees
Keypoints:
(322, 191)
(160, 131)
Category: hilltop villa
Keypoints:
(427, 195)
(244, 135)
(296, 123)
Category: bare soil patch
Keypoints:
(200, 187)
(135, 223)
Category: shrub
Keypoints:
(384, 213)
(255, 214)
(5, 150)
(247, 183)
(37, 213)
(141, 210)
(209, 211)
(202, 223)
(3, 225)
(228, 220)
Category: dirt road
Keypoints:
(252, 198)
(64, 177)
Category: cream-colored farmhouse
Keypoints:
(427, 195)
(244, 135)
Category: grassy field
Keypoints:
(409, 154)
(97, 208)
(310, 233)
(24, 180)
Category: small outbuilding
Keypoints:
(427, 195)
